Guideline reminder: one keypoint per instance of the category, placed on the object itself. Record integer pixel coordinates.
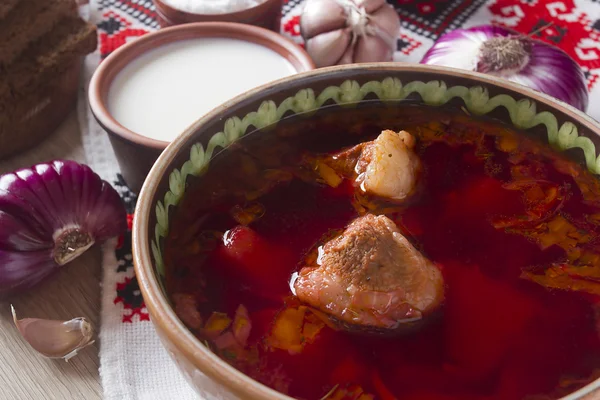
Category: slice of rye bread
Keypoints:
(6, 6)
(38, 114)
(45, 59)
(29, 21)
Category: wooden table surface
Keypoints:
(72, 292)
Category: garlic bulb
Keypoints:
(349, 31)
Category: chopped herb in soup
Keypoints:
(393, 253)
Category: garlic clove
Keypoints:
(386, 24)
(333, 28)
(372, 49)
(348, 56)
(327, 48)
(320, 16)
(55, 339)
(370, 5)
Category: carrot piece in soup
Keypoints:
(353, 392)
(287, 332)
(216, 324)
(241, 325)
(328, 174)
(248, 214)
(312, 326)
(566, 277)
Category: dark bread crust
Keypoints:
(6, 6)
(47, 58)
(28, 22)
(40, 63)
(37, 115)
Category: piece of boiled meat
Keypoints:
(371, 276)
(388, 166)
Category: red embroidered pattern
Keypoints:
(128, 293)
(292, 26)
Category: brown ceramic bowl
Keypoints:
(399, 85)
(266, 15)
(136, 153)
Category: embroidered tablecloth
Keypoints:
(133, 364)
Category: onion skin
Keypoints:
(51, 213)
(349, 31)
(547, 68)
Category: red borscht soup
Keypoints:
(393, 253)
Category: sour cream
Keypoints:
(162, 92)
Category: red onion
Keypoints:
(504, 53)
(50, 214)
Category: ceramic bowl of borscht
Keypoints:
(378, 231)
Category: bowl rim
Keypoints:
(158, 305)
(160, 5)
(106, 72)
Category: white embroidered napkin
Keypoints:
(133, 363)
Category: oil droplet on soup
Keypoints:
(458, 260)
